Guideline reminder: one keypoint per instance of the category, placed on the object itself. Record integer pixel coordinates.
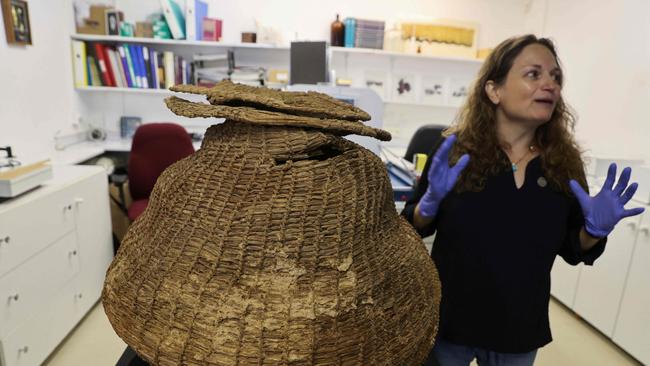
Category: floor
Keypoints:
(93, 342)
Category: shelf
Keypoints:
(419, 104)
(106, 89)
(371, 51)
(174, 42)
(111, 89)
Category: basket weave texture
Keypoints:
(274, 245)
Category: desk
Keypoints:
(83, 151)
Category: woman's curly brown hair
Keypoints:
(475, 127)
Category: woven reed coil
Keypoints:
(274, 245)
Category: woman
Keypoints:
(505, 193)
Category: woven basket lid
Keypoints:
(274, 245)
(312, 104)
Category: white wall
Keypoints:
(605, 50)
(310, 20)
(37, 98)
(36, 95)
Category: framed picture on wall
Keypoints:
(113, 20)
(434, 89)
(376, 80)
(16, 18)
(458, 90)
(404, 88)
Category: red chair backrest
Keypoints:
(155, 146)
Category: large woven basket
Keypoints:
(276, 243)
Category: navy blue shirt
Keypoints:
(494, 250)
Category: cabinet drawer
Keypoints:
(26, 289)
(33, 341)
(28, 228)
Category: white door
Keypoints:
(632, 331)
(600, 287)
(93, 228)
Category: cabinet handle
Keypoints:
(14, 297)
(631, 225)
(73, 253)
(23, 350)
(78, 296)
(78, 200)
(645, 230)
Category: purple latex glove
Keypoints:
(603, 211)
(442, 178)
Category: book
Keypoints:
(129, 59)
(89, 74)
(184, 72)
(178, 70)
(109, 66)
(80, 64)
(174, 17)
(94, 72)
(147, 67)
(113, 60)
(137, 58)
(160, 62)
(120, 66)
(212, 29)
(128, 73)
(142, 66)
(195, 11)
(153, 57)
(168, 65)
(133, 63)
(101, 62)
(350, 25)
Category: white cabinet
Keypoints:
(614, 293)
(53, 265)
(600, 287)
(564, 281)
(632, 330)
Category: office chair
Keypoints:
(155, 146)
(423, 140)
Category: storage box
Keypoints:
(96, 22)
(144, 29)
(440, 37)
(248, 37)
(21, 179)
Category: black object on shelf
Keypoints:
(308, 63)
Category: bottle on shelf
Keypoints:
(337, 33)
(393, 39)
